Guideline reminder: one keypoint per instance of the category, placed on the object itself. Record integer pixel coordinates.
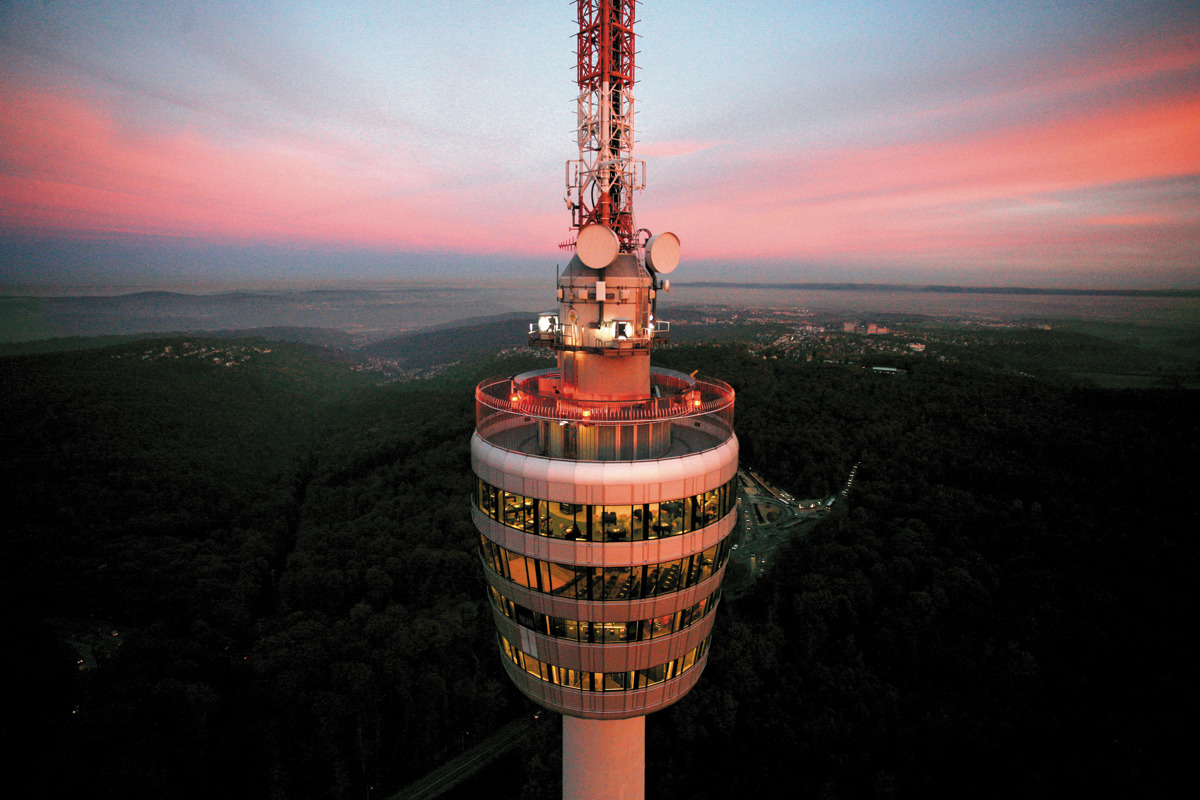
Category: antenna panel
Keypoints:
(662, 252)
(597, 246)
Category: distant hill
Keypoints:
(320, 337)
(453, 342)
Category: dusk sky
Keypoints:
(1008, 143)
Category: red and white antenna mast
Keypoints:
(601, 182)
(605, 494)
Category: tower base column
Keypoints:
(604, 759)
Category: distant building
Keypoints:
(864, 328)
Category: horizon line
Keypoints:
(937, 288)
(217, 287)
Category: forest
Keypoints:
(238, 566)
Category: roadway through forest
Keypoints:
(766, 516)
(457, 770)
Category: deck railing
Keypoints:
(703, 405)
(674, 396)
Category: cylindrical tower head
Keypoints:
(605, 491)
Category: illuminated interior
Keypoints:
(591, 632)
(596, 583)
(604, 523)
(628, 681)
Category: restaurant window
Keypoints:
(596, 632)
(600, 583)
(602, 681)
(610, 523)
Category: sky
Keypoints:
(1013, 143)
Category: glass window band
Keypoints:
(622, 584)
(609, 523)
(603, 681)
(587, 632)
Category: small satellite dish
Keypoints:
(597, 246)
(662, 252)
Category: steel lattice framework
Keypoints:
(601, 182)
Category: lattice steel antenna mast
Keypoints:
(601, 182)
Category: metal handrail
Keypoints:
(681, 396)
(568, 337)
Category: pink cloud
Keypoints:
(1026, 168)
(71, 167)
(672, 149)
(980, 193)
(1063, 78)
(1039, 159)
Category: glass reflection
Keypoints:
(603, 583)
(586, 632)
(610, 523)
(603, 681)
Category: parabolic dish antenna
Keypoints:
(662, 252)
(597, 246)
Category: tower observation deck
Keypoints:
(604, 488)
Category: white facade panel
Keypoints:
(604, 482)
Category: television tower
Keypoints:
(604, 488)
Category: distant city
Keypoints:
(366, 314)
